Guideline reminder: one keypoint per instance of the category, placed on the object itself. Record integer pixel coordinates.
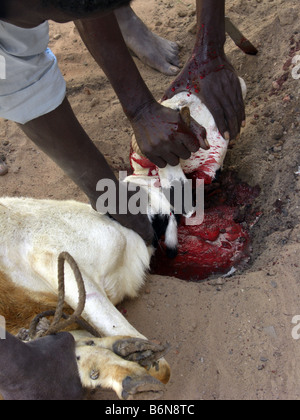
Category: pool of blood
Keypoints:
(221, 242)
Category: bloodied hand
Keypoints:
(164, 137)
(210, 75)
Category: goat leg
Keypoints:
(101, 367)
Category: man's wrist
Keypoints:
(134, 111)
(210, 38)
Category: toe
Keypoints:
(169, 70)
(173, 70)
(3, 168)
(175, 61)
(175, 46)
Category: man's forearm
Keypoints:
(209, 74)
(211, 22)
(62, 138)
(105, 42)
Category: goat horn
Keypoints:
(186, 115)
(135, 147)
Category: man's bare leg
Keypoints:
(151, 49)
(3, 168)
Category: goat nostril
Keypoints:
(172, 253)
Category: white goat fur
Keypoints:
(113, 261)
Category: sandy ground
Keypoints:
(230, 339)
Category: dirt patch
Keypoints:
(232, 339)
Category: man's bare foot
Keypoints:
(3, 168)
(151, 49)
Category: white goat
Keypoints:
(113, 261)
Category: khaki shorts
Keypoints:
(31, 84)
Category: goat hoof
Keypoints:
(140, 351)
(142, 388)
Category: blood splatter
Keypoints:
(221, 242)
